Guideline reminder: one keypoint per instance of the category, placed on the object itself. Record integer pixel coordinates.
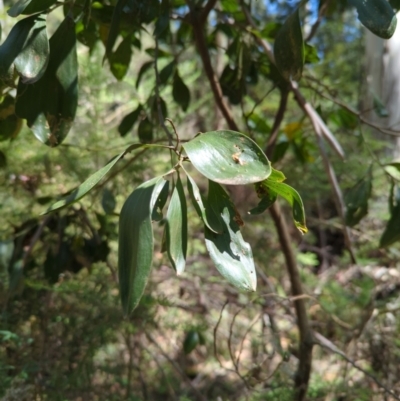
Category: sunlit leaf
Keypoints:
(146, 66)
(176, 228)
(120, 59)
(294, 199)
(231, 255)
(135, 250)
(49, 105)
(27, 49)
(228, 157)
(377, 16)
(289, 48)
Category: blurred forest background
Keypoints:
(63, 335)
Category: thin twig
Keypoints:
(176, 367)
(269, 150)
(325, 343)
(215, 334)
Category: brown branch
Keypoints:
(269, 150)
(198, 28)
(317, 23)
(325, 343)
(306, 343)
(306, 338)
(206, 10)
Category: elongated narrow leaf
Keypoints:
(114, 28)
(136, 243)
(160, 196)
(392, 230)
(294, 199)
(120, 59)
(176, 228)
(276, 176)
(49, 105)
(232, 256)
(86, 186)
(27, 49)
(28, 7)
(197, 201)
(92, 181)
(377, 16)
(228, 157)
(289, 48)
(129, 120)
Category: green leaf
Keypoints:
(232, 256)
(393, 170)
(228, 157)
(289, 48)
(129, 120)
(142, 70)
(120, 59)
(86, 186)
(49, 105)
(114, 28)
(166, 72)
(276, 176)
(29, 7)
(266, 202)
(136, 242)
(377, 16)
(160, 197)
(91, 182)
(176, 228)
(356, 200)
(145, 131)
(108, 201)
(27, 49)
(392, 230)
(294, 199)
(180, 92)
(197, 201)
(231, 84)
(191, 341)
(311, 54)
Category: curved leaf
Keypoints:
(120, 59)
(191, 341)
(294, 199)
(29, 7)
(266, 202)
(228, 157)
(176, 228)
(10, 124)
(27, 48)
(377, 16)
(197, 201)
(232, 256)
(289, 48)
(135, 251)
(49, 105)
